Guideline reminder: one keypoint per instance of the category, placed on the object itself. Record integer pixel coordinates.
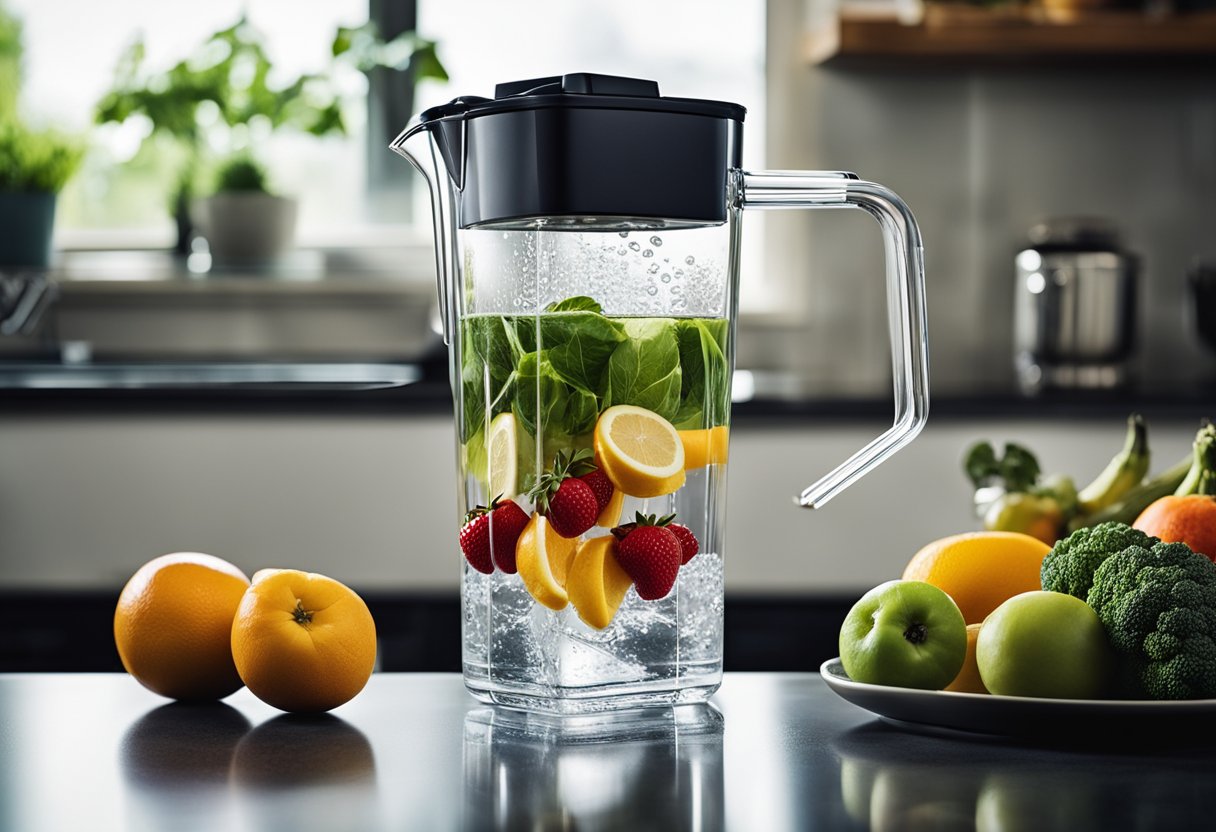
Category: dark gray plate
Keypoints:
(1020, 717)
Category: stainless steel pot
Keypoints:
(1074, 307)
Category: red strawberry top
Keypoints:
(650, 554)
(569, 503)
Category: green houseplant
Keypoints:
(245, 223)
(34, 165)
(215, 101)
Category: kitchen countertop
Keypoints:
(414, 751)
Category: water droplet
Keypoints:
(652, 290)
(679, 272)
(648, 253)
(623, 234)
(656, 241)
(666, 278)
(621, 251)
(634, 246)
(654, 269)
(689, 260)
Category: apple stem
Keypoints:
(302, 616)
(916, 633)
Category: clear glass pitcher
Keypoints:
(587, 237)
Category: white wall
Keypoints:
(84, 500)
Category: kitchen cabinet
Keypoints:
(414, 751)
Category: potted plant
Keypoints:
(219, 100)
(244, 223)
(34, 166)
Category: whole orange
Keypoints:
(980, 570)
(968, 679)
(303, 642)
(1190, 519)
(172, 625)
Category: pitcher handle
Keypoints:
(905, 268)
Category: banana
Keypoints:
(1123, 473)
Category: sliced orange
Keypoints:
(611, 515)
(707, 446)
(542, 557)
(597, 583)
(639, 451)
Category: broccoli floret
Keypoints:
(1158, 605)
(1069, 567)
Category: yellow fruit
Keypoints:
(597, 584)
(611, 515)
(968, 679)
(639, 451)
(980, 570)
(503, 456)
(303, 642)
(542, 557)
(172, 623)
(708, 446)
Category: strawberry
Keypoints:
(601, 485)
(569, 503)
(507, 522)
(688, 541)
(650, 554)
(489, 534)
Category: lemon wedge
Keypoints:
(708, 446)
(503, 457)
(542, 557)
(639, 451)
(597, 584)
(611, 515)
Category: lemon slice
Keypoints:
(597, 583)
(542, 557)
(705, 447)
(503, 457)
(639, 450)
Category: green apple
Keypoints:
(1044, 644)
(904, 633)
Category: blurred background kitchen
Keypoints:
(228, 343)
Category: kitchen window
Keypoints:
(695, 48)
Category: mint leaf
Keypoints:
(578, 303)
(704, 391)
(644, 370)
(543, 400)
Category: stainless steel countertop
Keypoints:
(775, 752)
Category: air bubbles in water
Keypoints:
(652, 290)
(634, 246)
(666, 278)
(654, 269)
(621, 251)
(648, 253)
(656, 241)
(623, 234)
(689, 260)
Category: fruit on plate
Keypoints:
(1047, 644)
(688, 542)
(968, 679)
(543, 559)
(302, 642)
(1189, 519)
(569, 502)
(979, 570)
(172, 625)
(489, 535)
(650, 554)
(639, 450)
(904, 633)
(705, 446)
(597, 584)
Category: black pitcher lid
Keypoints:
(581, 89)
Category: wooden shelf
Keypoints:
(962, 34)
